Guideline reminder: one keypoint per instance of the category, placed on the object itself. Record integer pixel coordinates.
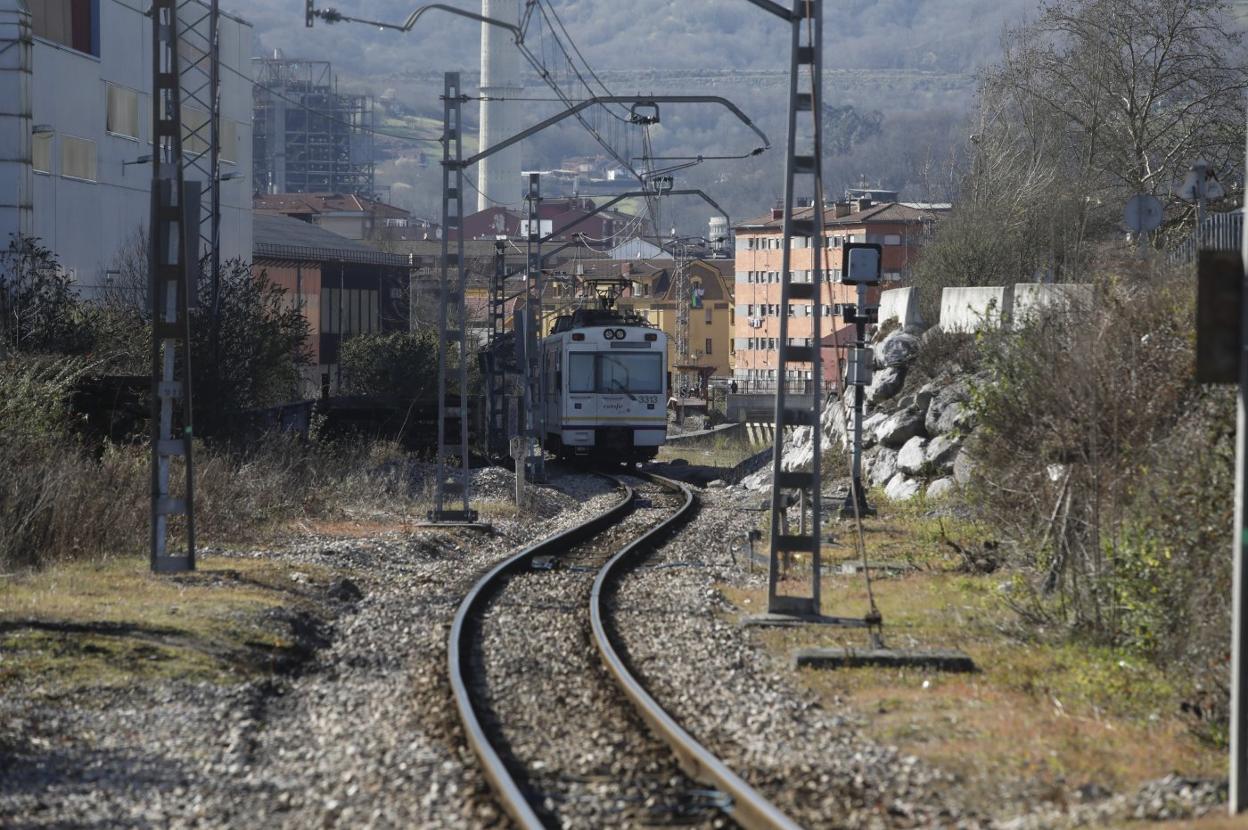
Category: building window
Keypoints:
(77, 158)
(72, 23)
(41, 152)
(195, 138)
(123, 112)
(708, 315)
(229, 152)
(708, 346)
(892, 239)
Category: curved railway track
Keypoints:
(552, 710)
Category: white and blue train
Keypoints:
(606, 387)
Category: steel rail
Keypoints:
(748, 807)
(501, 780)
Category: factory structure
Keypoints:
(310, 137)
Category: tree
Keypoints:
(401, 365)
(1093, 102)
(39, 309)
(263, 340)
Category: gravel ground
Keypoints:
(568, 735)
(815, 764)
(365, 736)
(736, 700)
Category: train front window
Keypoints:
(630, 373)
(581, 372)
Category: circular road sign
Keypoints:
(1143, 213)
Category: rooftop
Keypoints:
(319, 204)
(883, 212)
(281, 237)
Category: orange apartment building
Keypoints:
(899, 228)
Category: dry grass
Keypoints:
(723, 451)
(102, 623)
(1042, 715)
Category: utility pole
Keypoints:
(453, 459)
(805, 97)
(859, 377)
(170, 242)
(495, 377)
(199, 77)
(1239, 551)
(683, 358)
(534, 399)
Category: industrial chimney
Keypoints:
(499, 175)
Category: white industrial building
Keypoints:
(75, 125)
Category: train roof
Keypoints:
(587, 317)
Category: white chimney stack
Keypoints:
(498, 176)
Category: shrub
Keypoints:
(39, 311)
(261, 340)
(401, 364)
(1109, 468)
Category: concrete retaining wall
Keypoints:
(707, 437)
(760, 406)
(902, 305)
(1033, 297)
(972, 309)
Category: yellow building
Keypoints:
(648, 288)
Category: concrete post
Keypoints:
(498, 180)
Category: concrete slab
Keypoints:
(947, 660)
(481, 526)
(882, 567)
(795, 620)
(902, 305)
(974, 308)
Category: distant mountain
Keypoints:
(946, 35)
(912, 62)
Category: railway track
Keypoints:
(565, 733)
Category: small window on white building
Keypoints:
(229, 152)
(123, 112)
(77, 158)
(195, 138)
(41, 152)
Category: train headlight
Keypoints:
(620, 334)
(608, 333)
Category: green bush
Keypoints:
(401, 365)
(249, 353)
(1110, 471)
(39, 310)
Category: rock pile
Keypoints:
(913, 439)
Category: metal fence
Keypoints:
(1219, 232)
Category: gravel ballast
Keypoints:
(571, 739)
(365, 736)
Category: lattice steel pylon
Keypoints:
(805, 68)
(199, 78)
(453, 477)
(495, 372)
(534, 386)
(170, 243)
(683, 353)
